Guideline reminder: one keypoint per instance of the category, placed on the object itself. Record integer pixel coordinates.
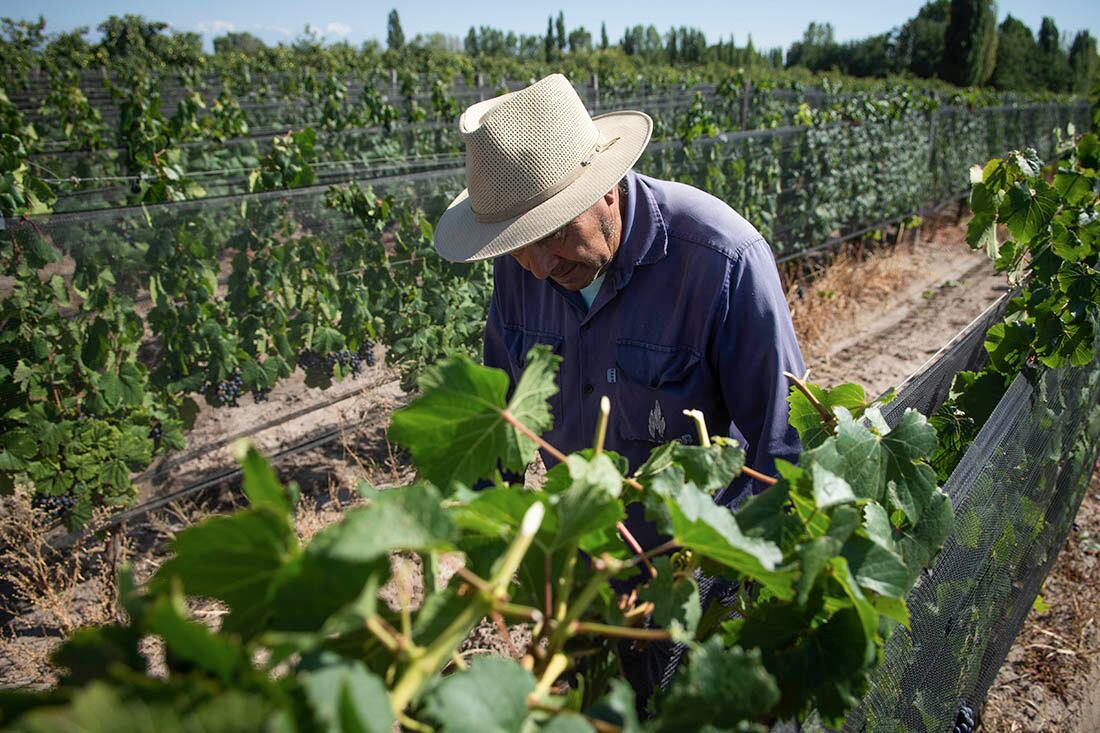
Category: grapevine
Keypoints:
(827, 554)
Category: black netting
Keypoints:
(1015, 493)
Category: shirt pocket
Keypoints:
(655, 385)
(519, 341)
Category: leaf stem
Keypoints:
(434, 656)
(606, 566)
(827, 417)
(761, 477)
(620, 632)
(636, 548)
(601, 425)
(554, 669)
(511, 420)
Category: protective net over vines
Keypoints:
(1015, 494)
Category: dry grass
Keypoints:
(825, 300)
(47, 592)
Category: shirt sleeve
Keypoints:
(755, 344)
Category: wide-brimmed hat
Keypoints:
(535, 159)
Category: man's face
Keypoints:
(575, 255)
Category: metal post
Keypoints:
(595, 91)
(393, 81)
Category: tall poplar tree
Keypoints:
(970, 43)
(395, 37)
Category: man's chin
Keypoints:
(577, 278)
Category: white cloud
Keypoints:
(214, 27)
(338, 29)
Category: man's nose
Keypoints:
(542, 262)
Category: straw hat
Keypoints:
(535, 160)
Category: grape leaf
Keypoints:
(455, 429)
(674, 598)
(217, 654)
(590, 502)
(805, 418)
(719, 687)
(1025, 213)
(261, 485)
(489, 698)
(711, 530)
(236, 559)
(347, 698)
(617, 707)
(406, 518)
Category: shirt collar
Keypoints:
(644, 237)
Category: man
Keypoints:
(653, 293)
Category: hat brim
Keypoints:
(460, 237)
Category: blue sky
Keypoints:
(770, 23)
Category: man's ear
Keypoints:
(611, 196)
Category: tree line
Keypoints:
(960, 42)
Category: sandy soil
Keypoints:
(873, 319)
(1051, 678)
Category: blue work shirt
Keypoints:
(691, 315)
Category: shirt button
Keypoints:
(588, 389)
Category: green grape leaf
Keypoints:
(981, 232)
(830, 489)
(496, 512)
(219, 655)
(236, 559)
(813, 557)
(90, 653)
(877, 568)
(806, 419)
(489, 698)
(853, 454)
(591, 501)
(406, 518)
(718, 687)
(1072, 186)
(617, 707)
(674, 598)
(711, 531)
(346, 697)
(261, 485)
(910, 481)
(455, 430)
(712, 467)
(1025, 213)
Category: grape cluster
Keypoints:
(964, 721)
(53, 506)
(156, 431)
(352, 359)
(260, 395)
(227, 392)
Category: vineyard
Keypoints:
(178, 249)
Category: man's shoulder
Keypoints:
(696, 218)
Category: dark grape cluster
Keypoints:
(366, 352)
(328, 362)
(156, 431)
(260, 395)
(964, 721)
(227, 392)
(53, 506)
